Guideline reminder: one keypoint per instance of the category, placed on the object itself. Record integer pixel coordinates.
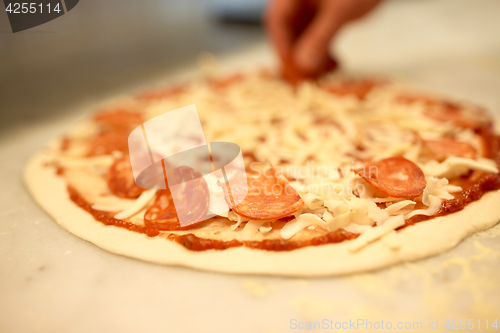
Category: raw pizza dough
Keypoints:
(418, 241)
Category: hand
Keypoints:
(301, 31)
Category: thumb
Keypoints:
(311, 51)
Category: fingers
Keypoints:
(311, 52)
(301, 32)
(277, 19)
(363, 8)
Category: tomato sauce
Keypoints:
(473, 188)
(195, 243)
(336, 236)
(107, 218)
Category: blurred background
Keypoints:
(105, 47)
(51, 281)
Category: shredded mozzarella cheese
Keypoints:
(300, 223)
(137, 205)
(250, 229)
(338, 132)
(456, 166)
(395, 208)
(375, 233)
(232, 216)
(434, 206)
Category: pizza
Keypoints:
(370, 173)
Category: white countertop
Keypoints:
(52, 281)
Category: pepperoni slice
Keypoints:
(446, 111)
(222, 83)
(119, 119)
(291, 74)
(162, 214)
(395, 176)
(105, 143)
(192, 201)
(120, 179)
(192, 190)
(357, 88)
(447, 147)
(294, 76)
(472, 118)
(162, 93)
(269, 197)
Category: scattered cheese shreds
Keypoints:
(300, 223)
(357, 228)
(312, 201)
(327, 216)
(137, 205)
(266, 227)
(385, 128)
(434, 206)
(395, 208)
(232, 216)
(375, 233)
(439, 187)
(457, 166)
(251, 229)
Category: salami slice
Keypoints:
(471, 118)
(162, 93)
(120, 179)
(222, 83)
(119, 119)
(395, 176)
(162, 214)
(447, 147)
(446, 111)
(107, 142)
(357, 88)
(190, 193)
(192, 199)
(294, 75)
(270, 197)
(291, 74)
